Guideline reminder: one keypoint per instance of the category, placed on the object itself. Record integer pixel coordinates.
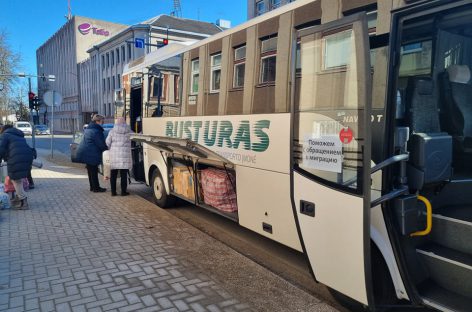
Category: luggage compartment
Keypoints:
(211, 187)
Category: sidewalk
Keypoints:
(80, 251)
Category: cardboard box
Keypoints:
(188, 189)
(183, 181)
(177, 179)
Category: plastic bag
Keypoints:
(9, 188)
(106, 165)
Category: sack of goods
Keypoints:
(218, 190)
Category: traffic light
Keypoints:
(165, 41)
(36, 102)
(31, 97)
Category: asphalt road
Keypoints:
(61, 142)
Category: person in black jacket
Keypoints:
(19, 157)
(90, 151)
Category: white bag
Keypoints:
(106, 165)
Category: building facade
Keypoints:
(109, 57)
(258, 7)
(59, 56)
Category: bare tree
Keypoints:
(9, 61)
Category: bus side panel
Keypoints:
(264, 197)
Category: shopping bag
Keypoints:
(106, 165)
(25, 184)
(9, 188)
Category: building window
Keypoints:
(109, 110)
(215, 75)
(123, 55)
(108, 60)
(260, 7)
(118, 78)
(337, 49)
(195, 76)
(239, 66)
(268, 60)
(274, 4)
(117, 56)
(103, 61)
(104, 109)
(129, 51)
(108, 83)
(112, 58)
(104, 85)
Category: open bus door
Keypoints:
(135, 116)
(331, 158)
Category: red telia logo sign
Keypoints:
(85, 29)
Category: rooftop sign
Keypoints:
(85, 29)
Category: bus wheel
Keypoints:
(161, 197)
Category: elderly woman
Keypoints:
(119, 144)
(90, 151)
(19, 156)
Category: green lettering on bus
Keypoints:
(243, 134)
(210, 141)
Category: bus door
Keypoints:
(135, 116)
(330, 179)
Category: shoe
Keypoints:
(100, 190)
(113, 194)
(15, 201)
(21, 204)
(124, 194)
(31, 186)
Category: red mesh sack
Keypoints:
(218, 190)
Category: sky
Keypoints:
(29, 23)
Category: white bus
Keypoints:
(342, 129)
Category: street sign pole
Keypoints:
(33, 137)
(52, 122)
(52, 98)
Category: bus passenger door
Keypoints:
(330, 179)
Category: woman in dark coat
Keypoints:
(90, 151)
(19, 156)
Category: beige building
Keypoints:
(59, 56)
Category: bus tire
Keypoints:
(161, 198)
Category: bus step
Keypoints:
(448, 268)
(452, 228)
(441, 299)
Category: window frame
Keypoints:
(238, 63)
(265, 55)
(260, 12)
(213, 69)
(324, 51)
(192, 76)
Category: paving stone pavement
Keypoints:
(80, 251)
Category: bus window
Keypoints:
(328, 113)
(163, 88)
(415, 58)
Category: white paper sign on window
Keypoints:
(323, 153)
